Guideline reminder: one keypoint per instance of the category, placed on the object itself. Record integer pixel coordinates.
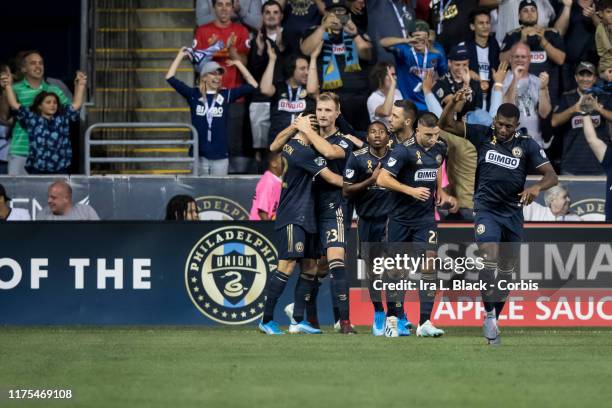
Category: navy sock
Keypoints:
(375, 298)
(276, 285)
(401, 314)
(487, 275)
(311, 304)
(391, 309)
(303, 292)
(337, 272)
(427, 298)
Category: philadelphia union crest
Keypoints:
(218, 208)
(226, 273)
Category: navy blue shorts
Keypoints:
(333, 231)
(489, 227)
(423, 237)
(293, 242)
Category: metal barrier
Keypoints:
(89, 143)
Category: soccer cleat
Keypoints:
(303, 327)
(427, 329)
(346, 327)
(490, 329)
(337, 327)
(289, 312)
(402, 321)
(402, 329)
(271, 328)
(391, 327)
(378, 327)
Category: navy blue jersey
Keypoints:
(607, 165)
(285, 105)
(329, 197)
(213, 146)
(375, 201)
(414, 166)
(394, 140)
(502, 169)
(300, 166)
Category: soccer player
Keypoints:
(504, 159)
(296, 227)
(332, 209)
(372, 203)
(402, 120)
(413, 173)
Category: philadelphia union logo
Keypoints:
(220, 208)
(226, 274)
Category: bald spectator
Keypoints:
(61, 208)
(11, 214)
(529, 93)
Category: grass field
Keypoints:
(188, 367)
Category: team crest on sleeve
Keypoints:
(440, 93)
(439, 159)
(391, 162)
(343, 144)
(302, 94)
(517, 152)
(299, 247)
(320, 161)
(480, 229)
(226, 273)
(349, 173)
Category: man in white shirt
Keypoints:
(61, 207)
(557, 202)
(381, 100)
(528, 92)
(11, 214)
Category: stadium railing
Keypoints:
(119, 125)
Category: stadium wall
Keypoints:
(214, 273)
(228, 198)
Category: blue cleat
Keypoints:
(378, 327)
(303, 327)
(271, 328)
(404, 322)
(402, 327)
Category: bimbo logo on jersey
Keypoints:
(217, 111)
(286, 105)
(425, 175)
(577, 121)
(502, 160)
(538, 57)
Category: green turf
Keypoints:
(185, 367)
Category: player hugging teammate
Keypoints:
(395, 183)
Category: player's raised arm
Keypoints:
(326, 149)
(447, 119)
(282, 138)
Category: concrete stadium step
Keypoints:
(143, 98)
(139, 115)
(143, 79)
(146, 17)
(153, 39)
(146, 3)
